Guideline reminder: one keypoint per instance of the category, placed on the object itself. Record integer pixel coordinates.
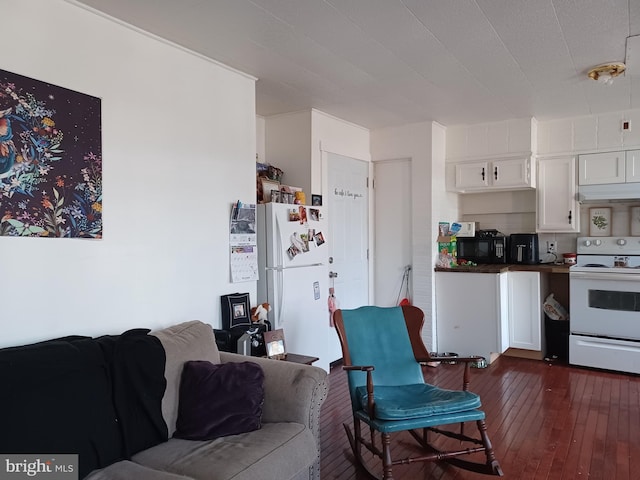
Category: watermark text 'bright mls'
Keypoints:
(50, 467)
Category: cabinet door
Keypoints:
(632, 169)
(558, 210)
(510, 173)
(472, 175)
(525, 311)
(602, 168)
(471, 313)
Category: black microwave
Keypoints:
(483, 249)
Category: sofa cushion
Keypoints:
(219, 400)
(183, 342)
(127, 470)
(278, 451)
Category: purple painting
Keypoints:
(50, 160)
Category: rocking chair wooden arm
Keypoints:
(466, 360)
(366, 368)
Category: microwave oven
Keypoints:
(483, 249)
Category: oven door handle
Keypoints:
(631, 277)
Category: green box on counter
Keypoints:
(447, 251)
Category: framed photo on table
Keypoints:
(274, 343)
(235, 310)
(600, 222)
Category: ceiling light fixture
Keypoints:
(606, 72)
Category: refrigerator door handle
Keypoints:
(278, 242)
(280, 269)
(280, 299)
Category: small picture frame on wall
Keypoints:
(316, 200)
(634, 217)
(600, 222)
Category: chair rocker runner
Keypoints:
(382, 350)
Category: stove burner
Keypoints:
(596, 265)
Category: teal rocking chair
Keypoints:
(382, 350)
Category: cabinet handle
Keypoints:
(483, 174)
(495, 173)
(570, 216)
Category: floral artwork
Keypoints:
(600, 222)
(50, 160)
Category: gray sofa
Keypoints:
(287, 446)
(114, 401)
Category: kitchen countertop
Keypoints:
(509, 267)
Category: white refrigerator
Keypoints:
(293, 276)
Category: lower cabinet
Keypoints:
(488, 313)
(526, 315)
(471, 313)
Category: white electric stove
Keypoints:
(605, 304)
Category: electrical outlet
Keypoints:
(551, 247)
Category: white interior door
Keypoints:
(392, 207)
(348, 214)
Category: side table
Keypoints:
(297, 358)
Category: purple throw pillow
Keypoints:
(217, 400)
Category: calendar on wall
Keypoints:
(243, 257)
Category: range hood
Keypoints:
(610, 191)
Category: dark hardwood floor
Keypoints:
(545, 420)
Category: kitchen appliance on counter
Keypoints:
(488, 246)
(523, 248)
(467, 229)
(604, 288)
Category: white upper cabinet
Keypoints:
(589, 133)
(511, 173)
(610, 167)
(472, 175)
(558, 210)
(632, 166)
(492, 156)
(496, 175)
(601, 168)
(488, 141)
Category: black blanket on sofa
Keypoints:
(100, 398)
(137, 363)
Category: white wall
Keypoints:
(288, 147)
(179, 146)
(261, 153)
(424, 143)
(392, 230)
(334, 135)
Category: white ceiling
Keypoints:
(381, 63)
